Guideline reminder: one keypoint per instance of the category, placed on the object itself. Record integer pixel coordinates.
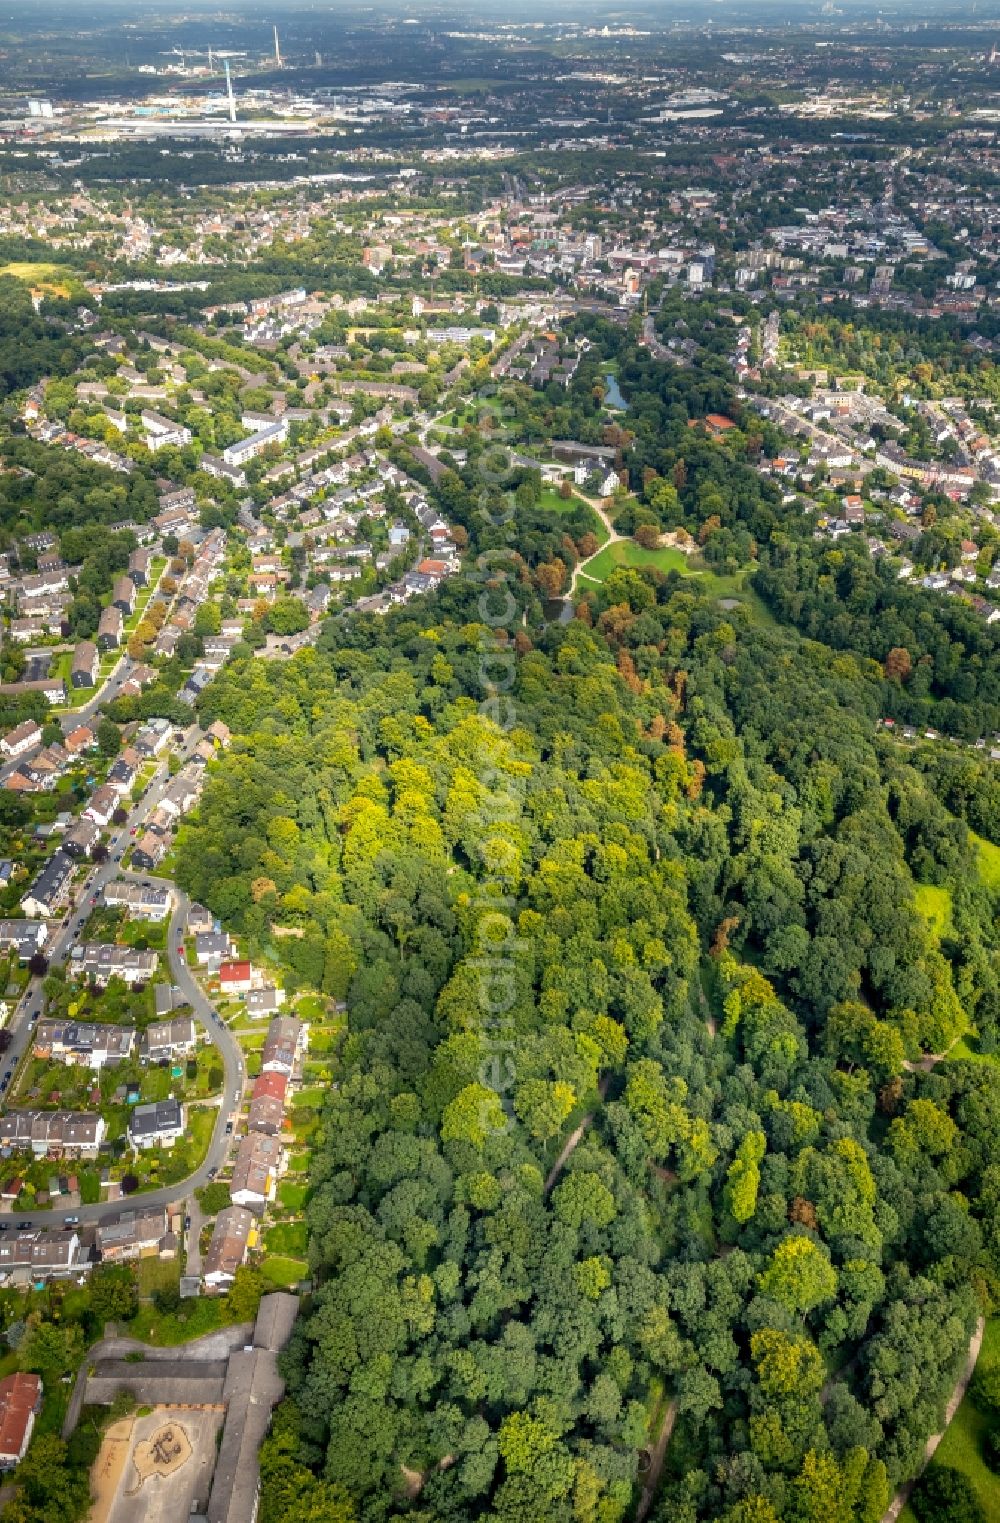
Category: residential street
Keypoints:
(59, 949)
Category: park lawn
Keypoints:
(551, 501)
(283, 1272)
(962, 1445)
(934, 904)
(291, 1238)
(625, 552)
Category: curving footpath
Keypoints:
(902, 1496)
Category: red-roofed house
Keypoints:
(267, 1105)
(273, 1084)
(20, 1401)
(236, 977)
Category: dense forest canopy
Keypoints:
(693, 868)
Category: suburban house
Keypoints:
(103, 960)
(156, 1125)
(235, 977)
(123, 595)
(89, 1044)
(138, 1234)
(109, 627)
(40, 1254)
(233, 1234)
(81, 838)
(86, 663)
(267, 1104)
(25, 937)
(211, 948)
(138, 566)
(142, 901)
(148, 851)
(255, 1172)
(56, 1133)
(182, 793)
(199, 920)
(101, 805)
(123, 773)
(80, 739)
(260, 1002)
(50, 887)
(20, 1403)
(169, 1039)
(281, 1045)
(22, 738)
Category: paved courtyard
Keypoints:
(154, 1469)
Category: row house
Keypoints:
(142, 901)
(52, 689)
(40, 1254)
(23, 738)
(85, 666)
(123, 595)
(51, 887)
(258, 1164)
(110, 628)
(23, 937)
(71, 1134)
(85, 1044)
(282, 1045)
(168, 1040)
(101, 961)
(138, 1234)
(235, 1231)
(267, 1103)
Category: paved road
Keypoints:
(71, 719)
(59, 949)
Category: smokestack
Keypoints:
(229, 88)
(277, 50)
(209, 58)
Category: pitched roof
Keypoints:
(19, 1395)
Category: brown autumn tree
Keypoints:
(898, 665)
(551, 577)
